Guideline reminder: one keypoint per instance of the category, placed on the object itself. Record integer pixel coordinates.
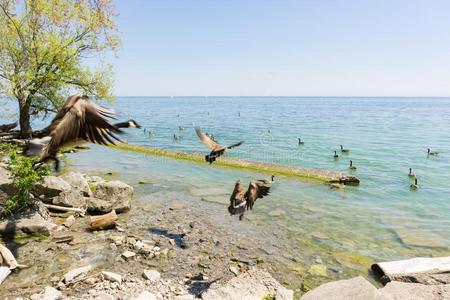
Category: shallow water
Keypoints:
(379, 220)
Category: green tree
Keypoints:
(45, 47)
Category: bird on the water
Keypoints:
(414, 186)
(352, 167)
(411, 174)
(300, 142)
(433, 153)
(336, 156)
(217, 150)
(344, 150)
(243, 199)
(80, 121)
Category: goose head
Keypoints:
(133, 124)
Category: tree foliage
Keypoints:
(44, 49)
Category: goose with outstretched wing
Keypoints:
(243, 199)
(80, 121)
(217, 150)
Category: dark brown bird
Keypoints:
(8, 127)
(80, 121)
(216, 149)
(242, 199)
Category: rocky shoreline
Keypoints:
(157, 250)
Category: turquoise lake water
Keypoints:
(381, 219)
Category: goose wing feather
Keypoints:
(206, 140)
(80, 118)
(256, 190)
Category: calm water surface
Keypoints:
(379, 220)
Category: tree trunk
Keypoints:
(25, 126)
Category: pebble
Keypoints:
(76, 274)
(69, 221)
(128, 255)
(113, 277)
(151, 275)
(234, 270)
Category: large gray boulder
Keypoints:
(355, 288)
(57, 191)
(117, 193)
(254, 284)
(78, 182)
(98, 205)
(51, 186)
(33, 224)
(69, 198)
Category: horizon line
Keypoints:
(291, 96)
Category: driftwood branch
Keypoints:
(81, 211)
(105, 221)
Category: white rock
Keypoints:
(138, 245)
(50, 293)
(69, 221)
(76, 274)
(151, 275)
(145, 295)
(128, 254)
(113, 277)
(104, 296)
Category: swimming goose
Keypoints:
(216, 149)
(300, 142)
(336, 156)
(180, 128)
(434, 153)
(352, 167)
(414, 186)
(411, 174)
(176, 137)
(80, 121)
(242, 200)
(344, 150)
(8, 127)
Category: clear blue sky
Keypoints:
(305, 48)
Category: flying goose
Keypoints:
(8, 127)
(352, 167)
(414, 186)
(434, 153)
(216, 149)
(411, 174)
(242, 199)
(344, 150)
(80, 121)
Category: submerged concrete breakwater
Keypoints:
(249, 165)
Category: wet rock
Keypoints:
(318, 270)
(51, 186)
(117, 193)
(33, 224)
(254, 284)
(62, 237)
(151, 275)
(78, 182)
(401, 290)
(113, 277)
(355, 288)
(421, 238)
(145, 295)
(76, 274)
